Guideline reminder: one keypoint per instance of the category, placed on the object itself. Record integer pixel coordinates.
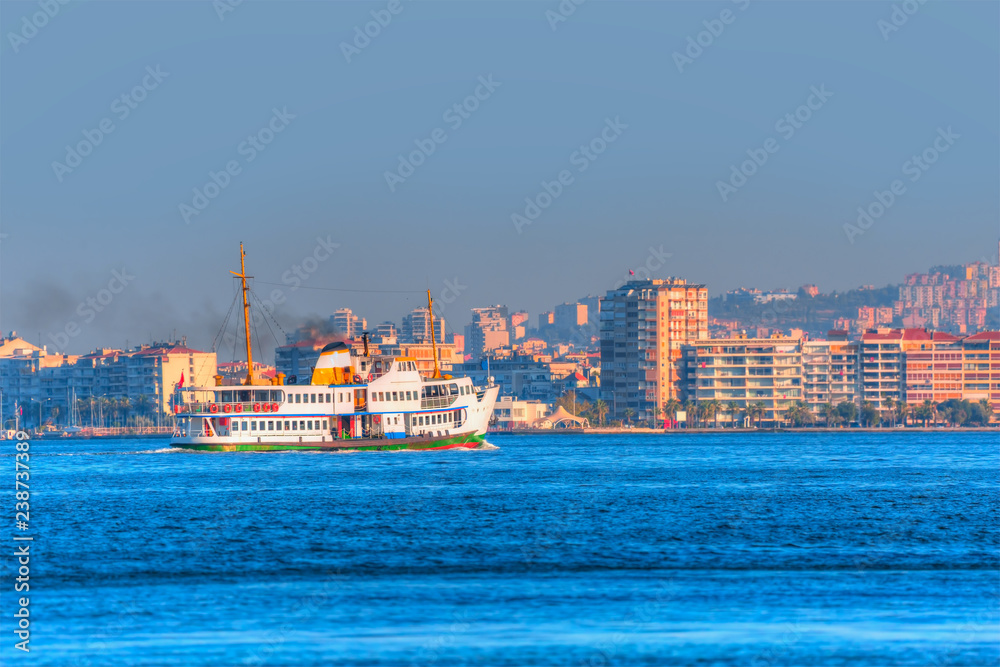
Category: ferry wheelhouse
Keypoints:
(353, 401)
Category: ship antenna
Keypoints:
(430, 311)
(242, 275)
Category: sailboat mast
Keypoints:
(242, 275)
(430, 312)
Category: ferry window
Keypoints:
(270, 425)
(286, 424)
(302, 424)
(244, 424)
(394, 396)
(453, 389)
(244, 396)
(312, 398)
(298, 398)
(309, 425)
(395, 420)
(420, 421)
(278, 425)
(328, 398)
(381, 396)
(295, 426)
(253, 424)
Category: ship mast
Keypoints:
(242, 275)
(430, 312)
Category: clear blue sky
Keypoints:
(324, 173)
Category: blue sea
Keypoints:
(759, 549)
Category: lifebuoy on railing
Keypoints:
(274, 407)
(357, 379)
(227, 408)
(238, 407)
(213, 408)
(256, 407)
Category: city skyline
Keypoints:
(58, 340)
(737, 168)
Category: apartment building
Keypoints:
(416, 327)
(644, 325)
(747, 372)
(38, 381)
(829, 371)
(346, 323)
(490, 330)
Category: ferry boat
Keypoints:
(354, 401)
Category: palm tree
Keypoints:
(759, 409)
(987, 407)
(629, 413)
(125, 405)
(829, 414)
(657, 411)
(902, 412)
(924, 411)
(709, 409)
(601, 410)
(733, 409)
(671, 408)
(715, 407)
(691, 408)
(890, 406)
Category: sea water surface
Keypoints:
(759, 549)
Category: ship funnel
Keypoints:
(333, 365)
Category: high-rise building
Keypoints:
(386, 333)
(489, 331)
(570, 315)
(747, 372)
(347, 323)
(644, 326)
(417, 327)
(829, 371)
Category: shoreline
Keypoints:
(745, 431)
